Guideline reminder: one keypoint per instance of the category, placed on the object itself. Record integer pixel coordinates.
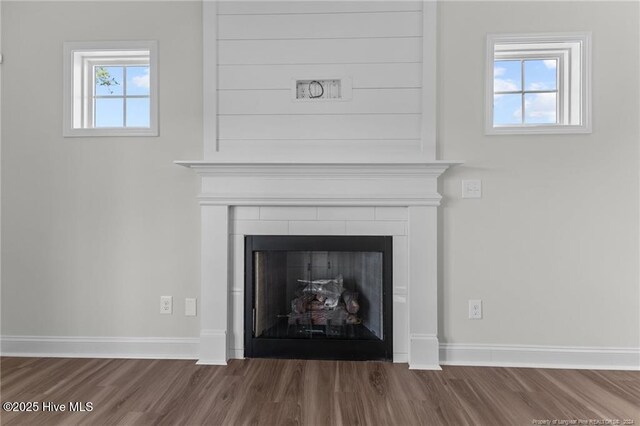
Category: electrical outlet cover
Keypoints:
(166, 304)
(475, 309)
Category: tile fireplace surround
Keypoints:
(397, 199)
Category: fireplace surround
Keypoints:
(342, 199)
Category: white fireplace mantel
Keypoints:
(233, 191)
(395, 184)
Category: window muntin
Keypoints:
(538, 83)
(111, 89)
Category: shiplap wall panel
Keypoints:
(366, 126)
(326, 25)
(298, 7)
(264, 46)
(361, 50)
(364, 76)
(371, 101)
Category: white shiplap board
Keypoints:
(350, 51)
(312, 7)
(326, 25)
(296, 127)
(363, 76)
(371, 101)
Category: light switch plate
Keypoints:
(190, 307)
(472, 188)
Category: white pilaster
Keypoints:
(423, 288)
(214, 294)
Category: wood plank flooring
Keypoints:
(289, 392)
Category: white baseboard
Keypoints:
(100, 347)
(533, 356)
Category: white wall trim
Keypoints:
(536, 356)
(482, 355)
(100, 347)
(429, 78)
(210, 77)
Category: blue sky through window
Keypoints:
(109, 112)
(112, 99)
(540, 76)
(507, 109)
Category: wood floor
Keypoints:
(288, 392)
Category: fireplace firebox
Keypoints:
(318, 297)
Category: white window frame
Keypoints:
(573, 53)
(79, 59)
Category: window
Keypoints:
(538, 84)
(110, 89)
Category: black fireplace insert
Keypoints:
(318, 297)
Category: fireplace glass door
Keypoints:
(309, 294)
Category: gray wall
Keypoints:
(552, 247)
(95, 230)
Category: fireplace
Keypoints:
(240, 199)
(318, 297)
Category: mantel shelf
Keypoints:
(434, 168)
(271, 183)
(213, 164)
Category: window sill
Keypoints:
(537, 130)
(83, 133)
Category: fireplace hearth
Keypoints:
(318, 297)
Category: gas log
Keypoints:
(324, 302)
(351, 302)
